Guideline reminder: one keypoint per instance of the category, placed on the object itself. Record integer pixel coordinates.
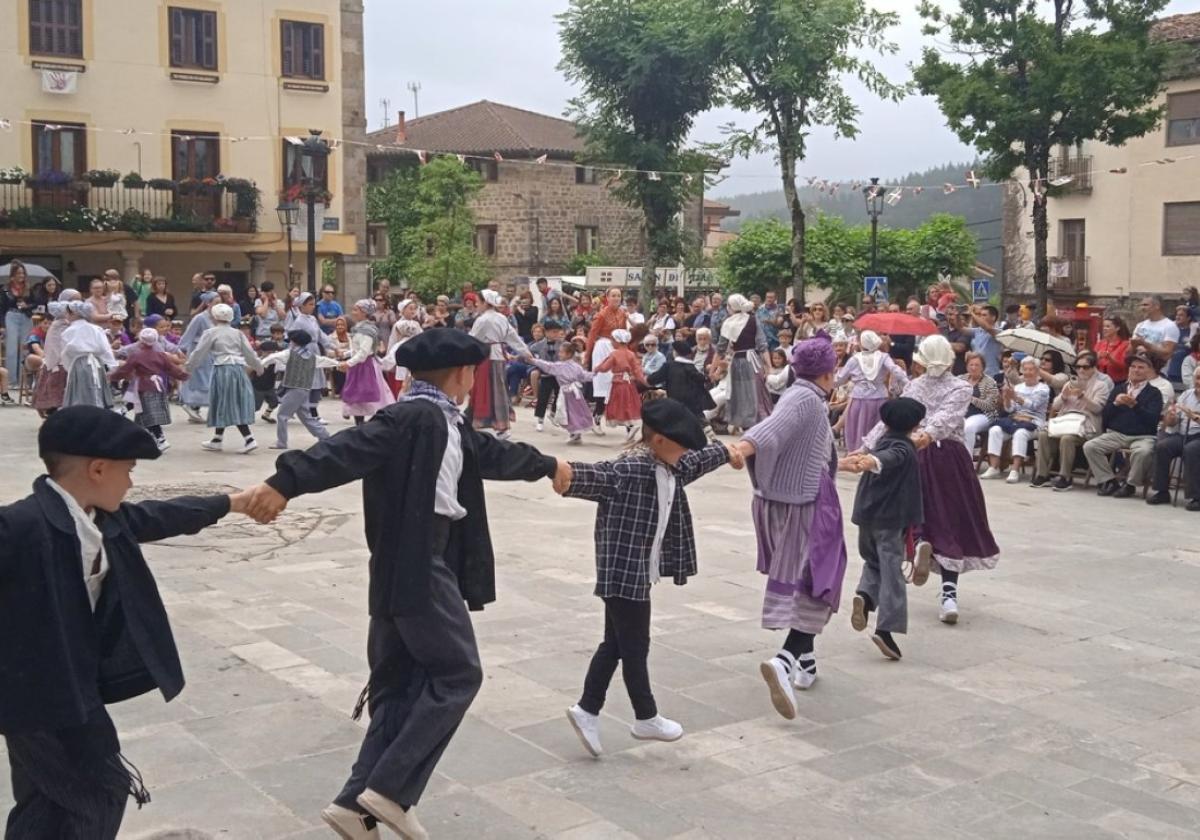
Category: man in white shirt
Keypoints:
(1157, 333)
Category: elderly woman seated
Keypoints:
(1180, 439)
(1026, 404)
(1077, 409)
(985, 399)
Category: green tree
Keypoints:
(1022, 78)
(647, 68)
(837, 256)
(579, 263)
(789, 59)
(758, 260)
(392, 203)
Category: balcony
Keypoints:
(53, 201)
(1078, 169)
(1069, 274)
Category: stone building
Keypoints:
(530, 219)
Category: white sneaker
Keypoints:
(949, 612)
(587, 727)
(776, 674)
(505, 435)
(630, 433)
(392, 815)
(598, 427)
(193, 415)
(348, 824)
(657, 728)
(1013, 477)
(990, 473)
(575, 440)
(802, 679)
(214, 445)
(539, 427)
(163, 444)
(249, 446)
(322, 421)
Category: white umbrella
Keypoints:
(32, 271)
(1035, 342)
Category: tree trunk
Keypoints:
(787, 166)
(1041, 233)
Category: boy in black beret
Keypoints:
(264, 383)
(422, 470)
(683, 382)
(299, 361)
(643, 532)
(887, 504)
(82, 622)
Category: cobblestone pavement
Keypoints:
(1066, 703)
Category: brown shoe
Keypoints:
(392, 815)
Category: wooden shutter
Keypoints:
(1184, 106)
(316, 34)
(177, 28)
(208, 40)
(37, 27)
(1181, 228)
(288, 38)
(74, 27)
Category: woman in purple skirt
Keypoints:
(365, 391)
(797, 519)
(871, 371)
(956, 522)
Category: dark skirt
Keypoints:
(156, 411)
(48, 393)
(956, 522)
(231, 398)
(490, 405)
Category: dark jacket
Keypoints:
(1139, 421)
(56, 663)
(890, 498)
(398, 454)
(685, 384)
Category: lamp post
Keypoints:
(874, 198)
(289, 217)
(316, 150)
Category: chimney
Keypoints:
(401, 130)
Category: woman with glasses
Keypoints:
(1084, 396)
(1053, 371)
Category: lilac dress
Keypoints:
(571, 377)
(867, 395)
(796, 512)
(956, 522)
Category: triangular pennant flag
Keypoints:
(918, 190)
(128, 131)
(833, 188)
(379, 147)
(856, 185)
(947, 189)
(1165, 161)
(334, 145)
(875, 192)
(541, 159)
(51, 127)
(894, 197)
(687, 179)
(1120, 171)
(421, 156)
(461, 159)
(811, 179)
(1063, 181)
(238, 139)
(5, 125)
(295, 141)
(499, 157)
(822, 186)
(973, 180)
(653, 176)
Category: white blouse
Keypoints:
(86, 339)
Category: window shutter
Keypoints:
(73, 31)
(288, 37)
(1184, 106)
(317, 34)
(177, 26)
(1181, 228)
(37, 27)
(208, 38)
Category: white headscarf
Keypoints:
(622, 336)
(492, 298)
(68, 295)
(222, 313)
(739, 309)
(148, 336)
(935, 355)
(870, 360)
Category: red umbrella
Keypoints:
(896, 323)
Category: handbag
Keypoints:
(1068, 423)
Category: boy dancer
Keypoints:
(887, 504)
(683, 382)
(546, 350)
(82, 622)
(422, 469)
(299, 362)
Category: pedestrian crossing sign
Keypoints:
(876, 287)
(981, 289)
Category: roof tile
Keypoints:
(485, 127)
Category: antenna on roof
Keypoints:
(387, 109)
(415, 87)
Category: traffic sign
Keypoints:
(981, 289)
(876, 287)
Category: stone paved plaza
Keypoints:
(1065, 703)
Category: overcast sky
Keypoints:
(508, 52)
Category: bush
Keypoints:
(133, 181)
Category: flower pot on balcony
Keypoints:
(101, 177)
(161, 184)
(242, 224)
(133, 181)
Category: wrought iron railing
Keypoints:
(1069, 274)
(1078, 169)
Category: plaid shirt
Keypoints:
(628, 513)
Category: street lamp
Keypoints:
(874, 198)
(316, 150)
(289, 217)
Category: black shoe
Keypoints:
(1193, 505)
(1125, 491)
(1040, 481)
(1063, 484)
(1108, 487)
(1158, 499)
(886, 644)
(5, 398)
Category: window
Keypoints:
(485, 240)
(303, 50)
(585, 175)
(298, 167)
(193, 38)
(489, 169)
(587, 239)
(1073, 245)
(56, 28)
(1183, 119)
(1181, 228)
(61, 148)
(195, 156)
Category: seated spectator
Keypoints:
(1191, 361)
(985, 400)
(1053, 371)
(1180, 439)
(1130, 418)
(1010, 369)
(1085, 397)
(652, 359)
(1026, 404)
(1174, 367)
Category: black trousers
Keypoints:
(69, 784)
(269, 397)
(626, 640)
(1170, 447)
(547, 391)
(425, 672)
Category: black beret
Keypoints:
(674, 421)
(902, 414)
(441, 348)
(95, 433)
(681, 348)
(300, 337)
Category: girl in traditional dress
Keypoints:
(797, 519)
(402, 331)
(150, 372)
(232, 396)
(86, 354)
(571, 378)
(52, 378)
(490, 406)
(742, 342)
(365, 391)
(872, 372)
(624, 406)
(193, 394)
(599, 346)
(956, 522)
